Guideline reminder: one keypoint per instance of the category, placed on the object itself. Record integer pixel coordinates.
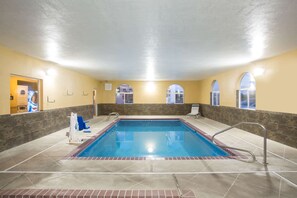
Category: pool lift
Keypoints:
(243, 150)
(74, 135)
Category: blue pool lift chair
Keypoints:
(82, 124)
(194, 111)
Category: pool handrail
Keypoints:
(251, 123)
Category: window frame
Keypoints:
(213, 93)
(125, 97)
(182, 93)
(39, 95)
(247, 90)
(124, 94)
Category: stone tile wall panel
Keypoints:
(145, 109)
(21, 128)
(281, 127)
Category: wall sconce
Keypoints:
(258, 71)
(150, 87)
(50, 72)
(50, 101)
(69, 93)
(85, 94)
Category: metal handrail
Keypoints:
(251, 123)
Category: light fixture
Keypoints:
(257, 48)
(150, 73)
(51, 72)
(52, 50)
(150, 66)
(258, 71)
(257, 34)
(150, 87)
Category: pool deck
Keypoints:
(39, 169)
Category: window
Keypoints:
(24, 94)
(247, 92)
(215, 94)
(175, 94)
(124, 94)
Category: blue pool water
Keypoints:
(151, 138)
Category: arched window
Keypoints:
(247, 92)
(124, 94)
(175, 94)
(215, 93)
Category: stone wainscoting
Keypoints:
(145, 109)
(21, 128)
(281, 127)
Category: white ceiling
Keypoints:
(149, 39)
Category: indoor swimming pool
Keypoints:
(151, 139)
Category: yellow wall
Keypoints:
(145, 95)
(275, 89)
(55, 87)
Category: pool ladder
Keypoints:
(243, 150)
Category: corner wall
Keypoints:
(20, 128)
(275, 89)
(276, 106)
(54, 86)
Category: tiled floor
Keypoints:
(41, 164)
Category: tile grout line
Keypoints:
(144, 173)
(135, 183)
(250, 143)
(127, 167)
(29, 180)
(280, 187)
(65, 193)
(2, 187)
(231, 185)
(280, 182)
(180, 194)
(31, 157)
(285, 179)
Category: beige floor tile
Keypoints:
(38, 163)
(152, 182)
(255, 185)
(177, 165)
(7, 178)
(104, 166)
(291, 176)
(89, 181)
(287, 190)
(207, 178)
(207, 185)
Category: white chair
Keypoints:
(194, 111)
